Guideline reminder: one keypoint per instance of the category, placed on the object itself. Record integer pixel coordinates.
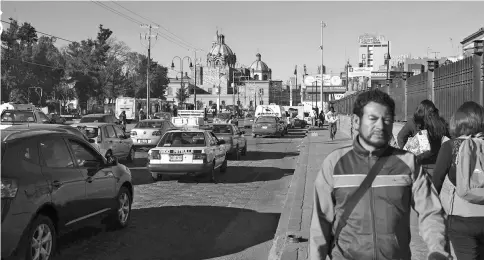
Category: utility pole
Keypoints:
(435, 53)
(147, 37)
(322, 67)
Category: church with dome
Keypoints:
(222, 80)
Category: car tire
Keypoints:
(165, 177)
(40, 222)
(131, 154)
(121, 216)
(236, 154)
(223, 168)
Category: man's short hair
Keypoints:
(376, 96)
(467, 120)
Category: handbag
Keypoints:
(419, 143)
(350, 205)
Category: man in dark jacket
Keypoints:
(122, 118)
(379, 225)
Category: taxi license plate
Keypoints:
(264, 127)
(143, 141)
(176, 158)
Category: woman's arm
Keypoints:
(407, 131)
(442, 165)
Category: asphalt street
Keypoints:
(190, 218)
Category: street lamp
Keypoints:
(387, 59)
(181, 67)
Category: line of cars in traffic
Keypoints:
(57, 177)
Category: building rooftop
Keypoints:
(473, 36)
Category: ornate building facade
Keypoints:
(215, 77)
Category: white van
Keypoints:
(273, 110)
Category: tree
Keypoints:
(17, 76)
(182, 94)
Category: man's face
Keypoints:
(376, 125)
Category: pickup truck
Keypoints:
(23, 117)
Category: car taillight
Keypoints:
(133, 133)
(200, 156)
(9, 188)
(154, 155)
(157, 133)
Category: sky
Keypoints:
(285, 33)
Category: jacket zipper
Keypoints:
(372, 209)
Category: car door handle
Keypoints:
(56, 184)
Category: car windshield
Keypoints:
(183, 139)
(18, 116)
(266, 119)
(91, 132)
(93, 119)
(165, 116)
(222, 129)
(149, 124)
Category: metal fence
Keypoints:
(448, 87)
(454, 84)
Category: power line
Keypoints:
(134, 20)
(157, 24)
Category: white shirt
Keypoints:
(331, 117)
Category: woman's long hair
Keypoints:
(427, 117)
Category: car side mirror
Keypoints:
(92, 141)
(112, 160)
(221, 142)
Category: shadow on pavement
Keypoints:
(242, 174)
(261, 155)
(182, 232)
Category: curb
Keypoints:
(298, 179)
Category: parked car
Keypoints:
(99, 118)
(16, 117)
(248, 121)
(187, 152)
(53, 182)
(268, 126)
(148, 132)
(109, 138)
(54, 127)
(235, 141)
(56, 119)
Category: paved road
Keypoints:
(186, 219)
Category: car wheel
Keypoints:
(41, 239)
(120, 218)
(130, 157)
(224, 166)
(165, 177)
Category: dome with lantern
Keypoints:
(220, 54)
(259, 69)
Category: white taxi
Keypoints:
(187, 152)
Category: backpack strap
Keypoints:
(350, 205)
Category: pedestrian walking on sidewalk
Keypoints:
(364, 193)
(426, 117)
(456, 164)
(332, 118)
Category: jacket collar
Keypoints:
(363, 152)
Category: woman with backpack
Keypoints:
(426, 117)
(458, 160)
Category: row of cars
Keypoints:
(55, 178)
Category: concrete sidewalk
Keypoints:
(296, 215)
